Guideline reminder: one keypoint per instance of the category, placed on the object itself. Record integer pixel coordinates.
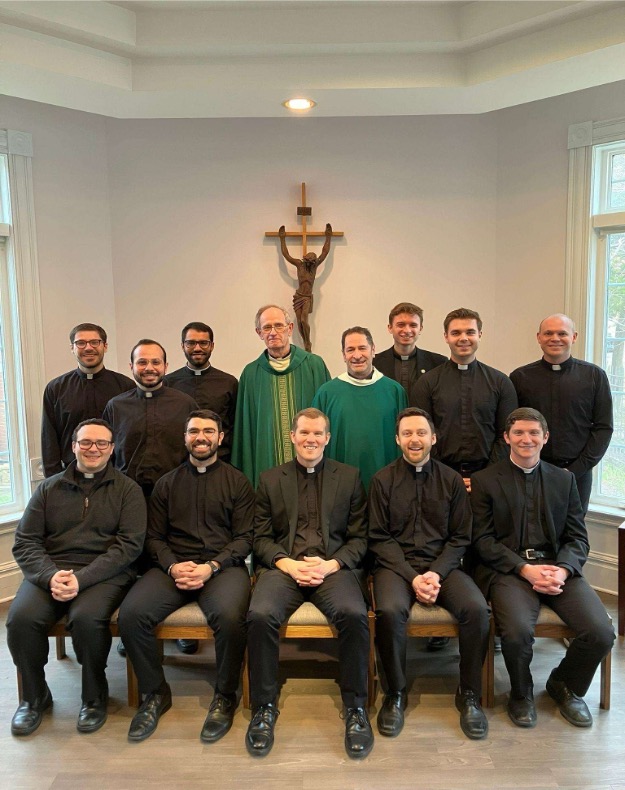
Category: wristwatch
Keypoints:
(214, 567)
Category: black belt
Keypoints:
(467, 468)
(535, 554)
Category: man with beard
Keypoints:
(199, 534)
(76, 396)
(209, 387)
(149, 420)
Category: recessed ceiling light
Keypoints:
(299, 104)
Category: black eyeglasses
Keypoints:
(85, 343)
(193, 343)
(87, 444)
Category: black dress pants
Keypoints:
(276, 596)
(516, 606)
(223, 600)
(459, 594)
(34, 611)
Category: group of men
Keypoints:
(418, 432)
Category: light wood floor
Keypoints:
(308, 753)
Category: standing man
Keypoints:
(76, 396)
(404, 362)
(467, 400)
(574, 397)
(76, 545)
(362, 406)
(531, 540)
(211, 388)
(310, 537)
(148, 422)
(420, 528)
(199, 534)
(272, 389)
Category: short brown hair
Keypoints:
(405, 307)
(92, 421)
(310, 414)
(413, 411)
(525, 413)
(356, 330)
(462, 313)
(203, 414)
(87, 328)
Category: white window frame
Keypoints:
(584, 260)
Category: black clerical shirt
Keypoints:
(418, 521)
(308, 538)
(68, 400)
(469, 405)
(148, 430)
(211, 389)
(201, 516)
(576, 401)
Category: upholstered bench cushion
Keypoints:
(430, 615)
(307, 614)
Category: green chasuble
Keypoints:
(266, 404)
(362, 421)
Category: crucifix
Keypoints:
(306, 265)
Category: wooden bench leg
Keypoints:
(133, 684)
(372, 687)
(488, 669)
(19, 686)
(606, 682)
(245, 683)
(60, 648)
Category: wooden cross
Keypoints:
(303, 211)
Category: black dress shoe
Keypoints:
(572, 707)
(259, 737)
(92, 715)
(473, 722)
(436, 643)
(391, 715)
(28, 716)
(145, 720)
(188, 646)
(522, 711)
(121, 649)
(219, 719)
(358, 733)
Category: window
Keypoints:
(595, 287)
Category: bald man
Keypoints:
(574, 397)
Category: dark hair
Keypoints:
(204, 414)
(87, 328)
(199, 326)
(356, 330)
(463, 313)
(413, 411)
(92, 421)
(525, 413)
(405, 307)
(311, 414)
(147, 342)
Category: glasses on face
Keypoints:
(266, 329)
(84, 343)
(197, 431)
(203, 344)
(87, 444)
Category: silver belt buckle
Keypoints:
(530, 554)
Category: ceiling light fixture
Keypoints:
(299, 104)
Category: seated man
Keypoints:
(199, 534)
(76, 545)
(310, 535)
(420, 527)
(531, 541)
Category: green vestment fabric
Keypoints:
(266, 404)
(362, 422)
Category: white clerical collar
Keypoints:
(404, 357)
(88, 475)
(361, 382)
(148, 391)
(463, 367)
(201, 470)
(556, 367)
(279, 365)
(198, 371)
(524, 469)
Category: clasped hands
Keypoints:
(426, 587)
(64, 586)
(545, 579)
(189, 575)
(309, 572)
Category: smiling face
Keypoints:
(405, 329)
(310, 439)
(90, 357)
(93, 459)
(526, 439)
(555, 337)
(463, 338)
(415, 439)
(197, 347)
(148, 366)
(202, 439)
(358, 354)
